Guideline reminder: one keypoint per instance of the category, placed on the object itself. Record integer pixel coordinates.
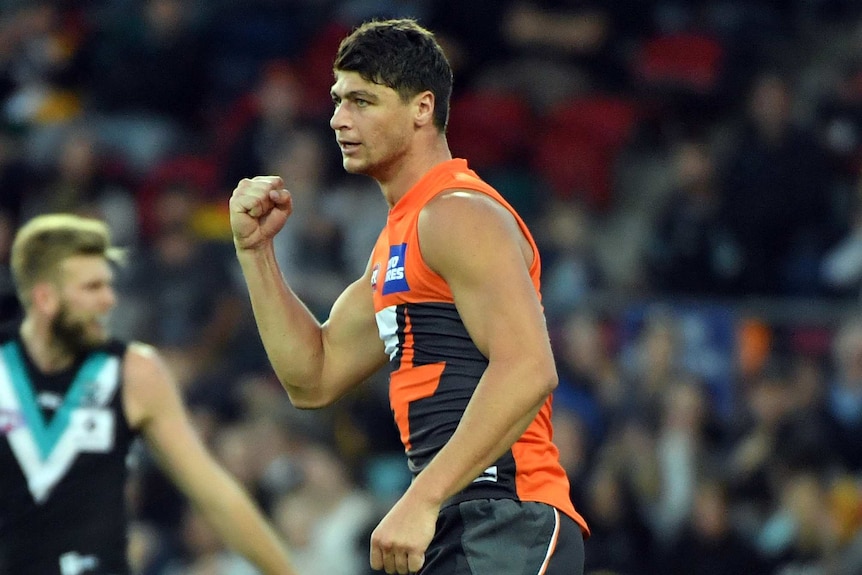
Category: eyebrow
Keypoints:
(353, 94)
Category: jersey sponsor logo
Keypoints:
(489, 474)
(374, 275)
(73, 563)
(46, 448)
(395, 280)
(48, 400)
(10, 419)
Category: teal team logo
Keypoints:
(46, 447)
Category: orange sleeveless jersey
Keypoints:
(435, 366)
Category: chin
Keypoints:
(96, 338)
(354, 166)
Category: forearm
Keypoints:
(290, 333)
(498, 414)
(243, 528)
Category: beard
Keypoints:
(71, 333)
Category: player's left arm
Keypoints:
(154, 406)
(476, 245)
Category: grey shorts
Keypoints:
(504, 537)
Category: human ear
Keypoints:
(424, 108)
(45, 297)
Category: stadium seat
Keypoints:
(686, 61)
(489, 128)
(578, 143)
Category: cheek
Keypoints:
(81, 307)
(391, 140)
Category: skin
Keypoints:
(152, 405)
(467, 238)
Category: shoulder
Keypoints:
(140, 355)
(460, 205)
(463, 214)
(463, 224)
(147, 385)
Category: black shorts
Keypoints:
(504, 537)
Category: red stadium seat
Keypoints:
(489, 128)
(684, 61)
(577, 146)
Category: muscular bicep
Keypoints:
(352, 347)
(476, 245)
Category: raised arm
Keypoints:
(315, 363)
(484, 257)
(153, 406)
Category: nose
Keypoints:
(338, 119)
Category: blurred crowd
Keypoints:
(691, 171)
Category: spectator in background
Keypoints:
(472, 41)
(242, 36)
(629, 453)
(838, 112)
(10, 309)
(590, 380)
(652, 362)
(753, 461)
(146, 84)
(841, 266)
(806, 438)
(577, 446)
(684, 448)
(557, 50)
(360, 213)
(181, 291)
(691, 252)
(548, 50)
(201, 552)
(263, 119)
(844, 394)
(16, 179)
(41, 63)
(621, 541)
(311, 253)
(81, 179)
(327, 518)
(776, 188)
(801, 536)
(711, 544)
(568, 255)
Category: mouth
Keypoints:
(348, 147)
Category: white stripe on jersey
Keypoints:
(387, 327)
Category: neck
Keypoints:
(47, 354)
(409, 169)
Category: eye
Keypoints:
(360, 103)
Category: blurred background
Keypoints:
(690, 169)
